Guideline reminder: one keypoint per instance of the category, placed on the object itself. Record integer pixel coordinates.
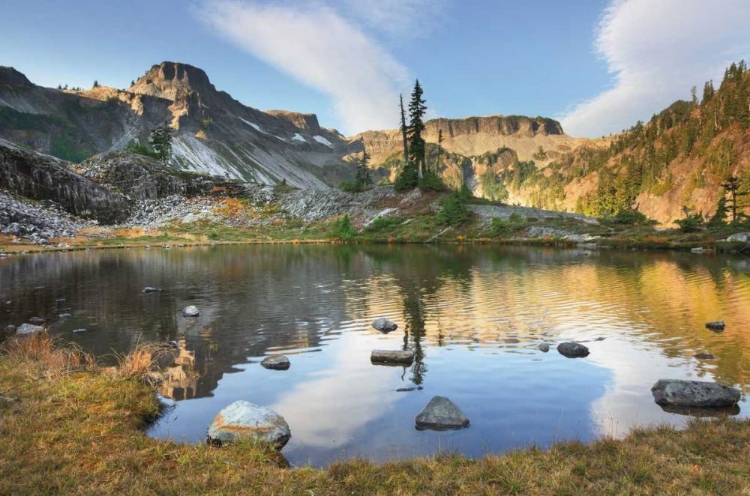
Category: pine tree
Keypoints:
(161, 140)
(732, 187)
(413, 169)
(720, 217)
(363, 180)
(96, 83)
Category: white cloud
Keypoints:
(657, 50)
(316, 45)
(401, 19)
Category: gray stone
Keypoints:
(276, 362)
(149, 289)
(245, 420)
(384, 325)
(10, 330)
(37, 320)
(191, 311)
(544, 347)
(79, 331)
(704, 356)
(398, 357)
(678, 392)
(741, 237)
(716, 325)
(572, 350)
(441, 414)
(29, 329)
(65, 315)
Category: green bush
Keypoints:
(691, 223)
(431, 182)
(453, 210)
(343, 228)
(500, 227)
(631, 218)
(382, 223)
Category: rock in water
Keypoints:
(544, 347)
(396, 357)
(37, 320)
(149, 289)
(441, 414)
(678, 392)
(243, 419)
(716, 325)
(572, 350)
(191, 311)
(384, 325)
(704, 356)
(276, 362)
(28, 329)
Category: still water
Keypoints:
(473, 315)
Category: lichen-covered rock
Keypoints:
(245, 420)
(384, 325)
(276, 362)
(396, 357)
(677, 392)
(441, 414)
(573, 350)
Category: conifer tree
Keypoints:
(161, 140)
(363, 180)
(417, 145)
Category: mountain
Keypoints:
(214, 134)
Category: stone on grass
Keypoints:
(441, 414)
(191, 311)
(384, 325)
(677, 392)
(37, 320)
(715, 325)
(276, 362)
(79, 331)
(572, 350)
(10, 330)
(29, 329)
(245, 420)
(395, 357)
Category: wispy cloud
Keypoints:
(400, 19)
(320, 45)
(657, 50)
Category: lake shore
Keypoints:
(87, 423)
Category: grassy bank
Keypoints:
(68, 426)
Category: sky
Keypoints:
(598, 66)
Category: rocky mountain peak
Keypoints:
(10, 76)
(305, 122)
(501, 125)
(173, 80)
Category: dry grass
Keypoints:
(79, 430)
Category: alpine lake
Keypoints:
(474, 316)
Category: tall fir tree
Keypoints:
(363, 180)
(417, 146)
(161, 140)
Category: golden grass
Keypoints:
(75, 429)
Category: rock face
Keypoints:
(441, 414)
(243, 419)
(28, 329)
(276, 362)
(394, 357)
(573, 350)
(677, 392)
(384, 325)
(41, 177)
(191, 311)
(716, 325)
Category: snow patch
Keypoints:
(323, 141)
(253, 125)
(299, 137)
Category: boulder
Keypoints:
(715, 325)
(384, 325)
(65, 315)
(37, 320)
(572, 350)
(79, 331)
(741, 237)
(396, 357)
(276, 362)
(29, 329)
(704, 356)
(9, 330)
(677, 392)
(543, 347)
(245, 420)
(191, 311)
(149, 289)
(441, 414)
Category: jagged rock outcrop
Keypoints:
(41, 177)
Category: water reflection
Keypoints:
(473, 316)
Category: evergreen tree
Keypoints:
(96, 83)
(708, 92)
(732, 187)
(720, 217)
(161, 140)
(412, 171)
(363, 180)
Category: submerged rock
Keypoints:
(242, 420)
(441, 414)
(715, 325)
(37, 320)
(678, 392)
(572, 350)
(397, 357)
(704, 356)
(384, 325)
(276, 362)
(191, 311)
(543, 347)
(28, 329)
(149, 289)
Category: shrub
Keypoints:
(500, 227)
(631, 218)
(431, 182)
(691, 223)
(453, 209)
(343, 228)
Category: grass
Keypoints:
(68, 426)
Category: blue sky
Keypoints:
(596, 65)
